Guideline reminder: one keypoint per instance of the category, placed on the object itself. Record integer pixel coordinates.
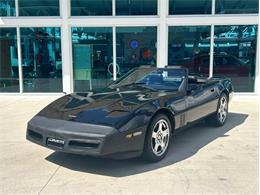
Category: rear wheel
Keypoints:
(158, 138)
(220, 116)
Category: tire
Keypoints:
(157, 139)
(220, 116)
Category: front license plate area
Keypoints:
(55, 142)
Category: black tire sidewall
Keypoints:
(148, 153)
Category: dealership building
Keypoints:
(55, 46)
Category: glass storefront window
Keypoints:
(236, 6)
(91, 7)
(189, 7)
(9, 74)
(189, 46)
(39, 8)
(7, 8)
(92, 56)
(41, 59)
(235, 55)
(135, 46)
(136, 7)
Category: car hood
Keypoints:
(105, 108)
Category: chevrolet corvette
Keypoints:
(137, 115)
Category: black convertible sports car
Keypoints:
(134, 116)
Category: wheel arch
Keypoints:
(225, 91)
(168, 113)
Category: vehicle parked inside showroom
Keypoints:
(137, 115)
(224, 64)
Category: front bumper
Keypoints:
(84, 139)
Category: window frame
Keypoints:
(54, 16)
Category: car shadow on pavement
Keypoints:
(184, 145)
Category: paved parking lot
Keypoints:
(201, 159)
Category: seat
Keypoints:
(192, 79)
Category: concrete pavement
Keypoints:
(201, 159)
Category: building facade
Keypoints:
(55, 46)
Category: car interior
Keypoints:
(196, 82)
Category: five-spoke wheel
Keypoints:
(222, 109)
(220, 116)
(157, 138)
(160, 137)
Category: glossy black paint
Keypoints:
(85, 117)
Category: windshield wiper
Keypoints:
(118, 86)
(144, 85)
(140, 83)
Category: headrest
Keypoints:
(192, 79)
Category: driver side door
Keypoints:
(200, 102)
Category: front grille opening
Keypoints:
(34, 135)
(83, 144)
(55, 144)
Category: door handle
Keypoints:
(212, 90)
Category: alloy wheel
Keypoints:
(222, 110)
(160, 137)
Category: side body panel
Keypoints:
(199, 103)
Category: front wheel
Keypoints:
(157, 139)
(220, 116)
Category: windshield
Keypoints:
(159, 79)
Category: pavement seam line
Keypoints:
(49, 180)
